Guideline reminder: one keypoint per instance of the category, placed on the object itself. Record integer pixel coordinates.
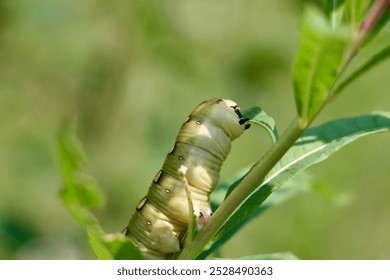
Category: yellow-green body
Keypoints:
(202, 145)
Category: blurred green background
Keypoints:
(132, 71)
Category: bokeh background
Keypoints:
(132, 71)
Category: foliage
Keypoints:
(326, 48)
(82, 195)
(322, 57)
(131, 69)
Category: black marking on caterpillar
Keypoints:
(203, 143)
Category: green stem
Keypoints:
(258, 172)
(253, 179)
(377, 58)
(372, 18)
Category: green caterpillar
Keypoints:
(203, 143)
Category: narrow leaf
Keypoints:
(71, 157)
(314, 146)
(337, 14)
(121, 247)
(298, 184)
(257, 116)
(113, 246)
(319, 56)
(373, 61)
(95, 239)
(330, 6)
(81, 193)
(356, 10)
(382, 7)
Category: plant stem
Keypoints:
(376, 12)
(251, 181)
(258, 172)
(373, 16)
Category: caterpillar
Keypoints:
(203, 143)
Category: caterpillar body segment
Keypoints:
(202, 145)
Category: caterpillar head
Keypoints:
(226, 114)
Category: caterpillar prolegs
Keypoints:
(203, 143)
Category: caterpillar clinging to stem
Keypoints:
(203, 143)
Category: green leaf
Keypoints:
(335, 10)
(71, 157)
(319, 56)
(96, 241)
(356, 10)
(257, 116)
(78, 193)
(316, 145)
(378, 27)
(113, 246)
(294, 186)
(80, 213)
(381, 56)
(81, 193)
(85, 192)
(121, 247)
(330, 6)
